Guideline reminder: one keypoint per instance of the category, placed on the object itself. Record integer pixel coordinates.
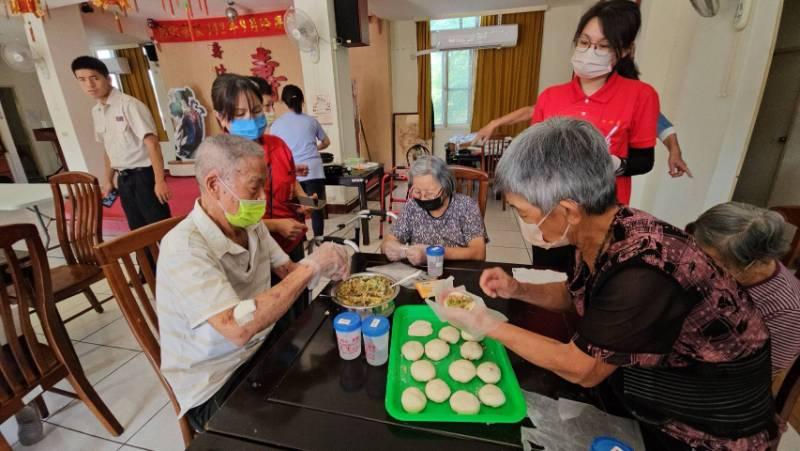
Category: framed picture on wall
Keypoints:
(405, 135)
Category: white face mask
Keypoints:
(533, 234)
(588, 65)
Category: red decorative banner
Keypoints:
(245, 26)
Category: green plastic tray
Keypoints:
(399, 376)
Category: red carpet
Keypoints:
(184, 192)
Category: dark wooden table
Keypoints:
(301, 395)
(362, 180)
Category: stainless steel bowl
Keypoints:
(385, 308)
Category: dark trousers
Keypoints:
(198, 416)
(136, 192)
(316, 186)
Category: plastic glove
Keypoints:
(394, 250)
(416, 254)
(330, 261)
(497, 283)
(477, 322)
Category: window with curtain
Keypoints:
(452, 77)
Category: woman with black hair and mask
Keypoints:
(605, 91)
(436, 216)
(305, 136)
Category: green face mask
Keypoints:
(249, 212)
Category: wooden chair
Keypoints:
(472, 182)
(27, 366)
(792, 216)
(491, 152)
(135, 302)
(77, 235)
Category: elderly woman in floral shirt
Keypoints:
(436, 215)
(665, 334)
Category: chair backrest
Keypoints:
(792, 216)
(79, 233)
(25, 363)
(789, 393)
(492, 151)
(136, 304)
(473, 183)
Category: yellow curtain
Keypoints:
(508, 79)
(137, 84)
(424, 102)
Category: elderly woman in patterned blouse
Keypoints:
(436, 215)
(666, 335)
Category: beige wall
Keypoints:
(370, 67)
(403, 41)
(710, 79)
(559, 28)
(33, 109)
(190, 64)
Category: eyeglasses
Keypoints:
(419, 194)
(600, 49)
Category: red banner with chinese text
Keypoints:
(246, 26)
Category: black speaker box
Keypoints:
(352, 22)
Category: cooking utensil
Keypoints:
(385, 308)
(406, 278)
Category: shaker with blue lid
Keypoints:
(609, 444)
(435, 256)
(348, 334)
(376, 339)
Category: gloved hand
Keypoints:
(477, 322)
(328, 260)
(416, 254)
(394, 250)
(497, 283)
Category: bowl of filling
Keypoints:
(366, 294)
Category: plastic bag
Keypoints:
(566, 425)
(398, 271)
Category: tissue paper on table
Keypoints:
(398, 271)
(538, 276)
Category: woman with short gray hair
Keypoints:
(748, 242)
(672, 336)
(436, 215)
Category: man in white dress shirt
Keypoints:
(215, 304)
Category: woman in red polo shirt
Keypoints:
(605, 90)
(241, 110)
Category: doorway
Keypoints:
(19, 135)
(766, 165)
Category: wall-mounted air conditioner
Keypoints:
(496, 36)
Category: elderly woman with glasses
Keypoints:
(748, 242)
(436, 215)
(670, 336)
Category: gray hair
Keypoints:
(559, 159)
(742, 233)
(436, 167)
(223, 152)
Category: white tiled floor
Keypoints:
(124, 379)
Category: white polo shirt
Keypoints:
(202, 272)
(121, 124)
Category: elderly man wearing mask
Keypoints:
(215, 303)
(436, 215)
(672, 338)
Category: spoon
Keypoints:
(406, 279)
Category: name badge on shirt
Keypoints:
(119, 118)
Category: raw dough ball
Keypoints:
(491, 395)
(420, 328)
(413, 400)
(449, 334)
(462, 370)
(489, 372)
(422, 371)
(437, 390)
(436, 349)
(468, 336)
(412, 350)
(464, 403)
(471, 350)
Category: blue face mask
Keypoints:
(251, 129)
